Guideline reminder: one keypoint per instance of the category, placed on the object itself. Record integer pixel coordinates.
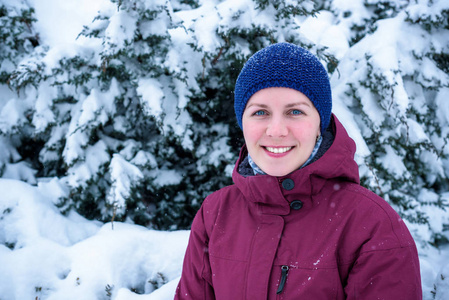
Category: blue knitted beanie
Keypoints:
(285, 65)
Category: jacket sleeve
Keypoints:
(195, 282)
(385, 274)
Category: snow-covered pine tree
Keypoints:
(135, 120)
(127, 142)
(360, 16)
(17, 35)
(97, 113)
(398, 94)
(18, 40)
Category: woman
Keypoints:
(296, 224)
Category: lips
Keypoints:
(278, 150)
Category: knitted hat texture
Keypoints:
(285, 65)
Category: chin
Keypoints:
(278, 173)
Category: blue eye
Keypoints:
(296, 112)
(259, 113)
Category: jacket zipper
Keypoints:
(284, 271)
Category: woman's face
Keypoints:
(280, 127)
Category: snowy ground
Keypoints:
(51, 256)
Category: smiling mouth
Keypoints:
(278, 150)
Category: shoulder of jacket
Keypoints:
(379, 213)
(212, 205)
(369, 199)
(222, 193)
(220, 199)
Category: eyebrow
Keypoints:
(297, 104)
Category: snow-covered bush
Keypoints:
(136, 116)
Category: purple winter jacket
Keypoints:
(254, 240)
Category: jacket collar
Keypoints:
(268, 192)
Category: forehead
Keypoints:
(278, 96)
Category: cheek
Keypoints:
(251, 131)
(306, 132)
(250, 135)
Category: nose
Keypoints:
(277, 127)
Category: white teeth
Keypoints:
(278, 150)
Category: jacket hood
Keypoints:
(336, 164)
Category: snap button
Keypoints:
(288, 184)
(296, 205)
